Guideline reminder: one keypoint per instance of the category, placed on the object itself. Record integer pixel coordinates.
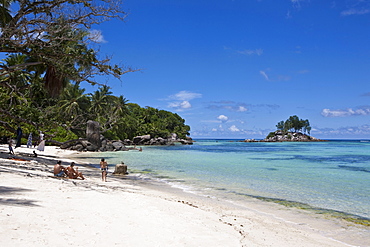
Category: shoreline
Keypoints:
(163, 209)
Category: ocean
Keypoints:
(332, 175)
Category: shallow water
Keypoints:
(332, 175)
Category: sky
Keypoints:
(235, 68)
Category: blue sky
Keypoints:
(235, 68)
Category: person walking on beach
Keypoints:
(59, 170)
(72, 173)
(104, 170)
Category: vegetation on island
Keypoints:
(292, 129)
(294, 124)
(50, 48)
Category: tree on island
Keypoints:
(294, 124)
(292, 129)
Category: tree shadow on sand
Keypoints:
(5, 190)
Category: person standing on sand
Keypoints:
(59, 170)
(104, 169)
(10, 147)
(29, 141)
(72, 173)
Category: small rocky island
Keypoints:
(280, 136)
(291, 130)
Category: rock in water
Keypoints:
(120, 169)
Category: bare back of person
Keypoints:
(104, 169)
(59, 170)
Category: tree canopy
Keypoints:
(65, 117)
(57, 36)
(293, 123)
(50, 48)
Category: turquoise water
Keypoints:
(332, 175)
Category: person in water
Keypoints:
(104, 170)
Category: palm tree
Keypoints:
(100, 100)
(120, 107)
(18, 78)
(5, 16)
(15, 82)
(73, 58)
(73, 101)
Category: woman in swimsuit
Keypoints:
(104, 170)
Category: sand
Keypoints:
(39, 210)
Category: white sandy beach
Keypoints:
(38, 210)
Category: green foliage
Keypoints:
(280, 125)
(157, 123)
(270, 135)
(65, 118)
(61, 135)
(293, 123)
(55, 37)
(49, 52)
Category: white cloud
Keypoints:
(355, 12)
(350, 131)
(233, 128)
(274, 78)
(182, 100)
(96, 36)
(296, 3)
(303, 71)
(356, 7)
(228, 105)
(223, 118)
(263, 73)
(237, 106)
(242, 109)
(346, 112)
(288, 15)
(257, 52)
(180, 105)
(185, 95)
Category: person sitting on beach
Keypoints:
(59, 170)
(104, 169)
(72, 173)
(33, 155)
